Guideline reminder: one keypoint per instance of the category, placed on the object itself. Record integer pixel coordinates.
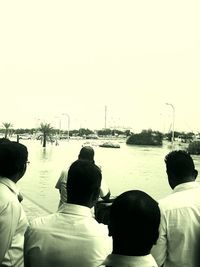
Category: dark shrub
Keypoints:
(194, 148)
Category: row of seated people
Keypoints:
(138, 231)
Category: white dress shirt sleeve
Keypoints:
(60, 180)
(104, 189)
(159, 251)
(8, 223)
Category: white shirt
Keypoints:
(13, 223)
(115, 260)
(179, 240)
(71, 237)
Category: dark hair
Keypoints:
(4, 140)
(84, 178)
(86, 153)
(180, 164)
(135, 219)
(13, 157)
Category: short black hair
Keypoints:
(13, 156)
(135, 218)
(180, 164)
(4, 140)
(86, 153)
(84, 177)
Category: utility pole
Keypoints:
(105, 117)
(173, 121)
(68, 124)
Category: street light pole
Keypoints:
(173, 121)
(105, 117)
(68, 124)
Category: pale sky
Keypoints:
(75, 57)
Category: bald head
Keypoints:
(86, 153)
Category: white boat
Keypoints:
(110, 144)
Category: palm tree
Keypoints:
(7, 126)
(46, 130)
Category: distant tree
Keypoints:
(47, 131)
(185, 137)
(146, 137)
(190, 136)
(116, 132)
(104, 132)
(127, 132)
(24, 131)
(85, 132)
(7, 126)
(73, 132)
(20, 131)
(194, 148)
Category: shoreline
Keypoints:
(32, 209)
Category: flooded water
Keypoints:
(126, 168)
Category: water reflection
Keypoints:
(46, 154)
(130, 167)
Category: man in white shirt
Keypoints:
(86, 153)
(134, 223)
(13, 221)
(179, 238)
(71, 237)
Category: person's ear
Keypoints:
(195, 173)
(95, 195)
(109, 229)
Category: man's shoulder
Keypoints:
(101, 228)
(41, 222)
(8, 199)
(62, 179)
(181, 199)
(63, 176)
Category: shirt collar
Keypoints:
(10, 184)
(75, 209)
(186, 186)
(116, 260)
